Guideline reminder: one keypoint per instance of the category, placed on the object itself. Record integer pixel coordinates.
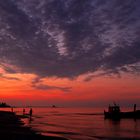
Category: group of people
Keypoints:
(30, 111)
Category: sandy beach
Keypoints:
(12, 128)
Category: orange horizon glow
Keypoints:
(98, 89)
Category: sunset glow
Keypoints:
(69, 53)
(65, 92)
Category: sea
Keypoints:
(80, 124)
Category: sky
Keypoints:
(69, 52)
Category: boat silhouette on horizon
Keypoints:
(114, 112)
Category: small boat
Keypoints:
(114, 112)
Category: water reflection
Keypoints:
(77, 124)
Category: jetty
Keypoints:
(4, 105)
(12, 128)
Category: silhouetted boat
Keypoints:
(114, 112)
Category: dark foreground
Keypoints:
(11, 128)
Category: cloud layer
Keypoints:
(69, 38)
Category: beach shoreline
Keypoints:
(12, 128)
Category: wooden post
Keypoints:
(134, 107)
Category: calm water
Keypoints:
(80, 124)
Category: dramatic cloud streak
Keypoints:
(69, 38)
(39, 85)
(8, 78)
(47, 87)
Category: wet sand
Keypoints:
(12, 128)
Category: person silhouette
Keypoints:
(23, 111)
(30, 112)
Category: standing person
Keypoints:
(30, 112)
(23, 111)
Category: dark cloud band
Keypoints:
(68, 38)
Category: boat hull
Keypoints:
(119, 115)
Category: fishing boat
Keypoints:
(114, 112)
